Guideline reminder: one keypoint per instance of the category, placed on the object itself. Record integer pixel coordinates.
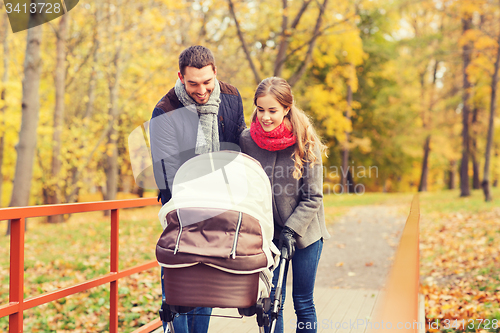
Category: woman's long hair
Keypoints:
(307, 138)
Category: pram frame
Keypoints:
(263, 305)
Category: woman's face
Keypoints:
(270, 112)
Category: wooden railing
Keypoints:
(398, 308)
(17, 304)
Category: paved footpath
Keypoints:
(359, 254)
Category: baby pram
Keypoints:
(216, 248)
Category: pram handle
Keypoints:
(276, 306)
(284, 253)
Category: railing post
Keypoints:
(16, 290)
(113, 293)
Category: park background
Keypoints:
(406, 87)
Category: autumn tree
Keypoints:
(30, 108)
(493, 105)
(52, 193)
(3, 92)
(466, 56)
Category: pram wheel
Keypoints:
(263, 306)
(166, 314)
(248, 312)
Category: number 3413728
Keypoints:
(40, 7)
(470, 324)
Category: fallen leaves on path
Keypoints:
(460, 268)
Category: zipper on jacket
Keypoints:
(222, 123)
(180, 232)
(235, 241)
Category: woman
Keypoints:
(283, 140)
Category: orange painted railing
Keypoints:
(17, 303)
(398, 307)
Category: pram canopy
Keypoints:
(221, 207)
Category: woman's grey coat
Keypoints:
(297, 203)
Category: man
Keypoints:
(199, 115)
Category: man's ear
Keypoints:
(215, 71)
(180, 77)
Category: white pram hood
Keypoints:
(225, 180)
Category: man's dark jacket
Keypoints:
(173, 134)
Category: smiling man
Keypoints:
(198, 115)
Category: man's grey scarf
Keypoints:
(207, 139)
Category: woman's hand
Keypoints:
(287, 239)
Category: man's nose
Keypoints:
(202, 90)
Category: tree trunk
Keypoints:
(476, 185)
(256, 75)
(59, 83)
(451, 177)
(286, 34)
(29, 123)
(111, 162)
(464, 167)
(425, 165)
(491, 126)
(345, 150)
(5, 78)
(111, 158)
(303, 66)
(74, 189)
(426, 121)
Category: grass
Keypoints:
(445, 201)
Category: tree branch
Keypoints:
(317, 34)
(285, 35)
(243, 44)
(302, 68)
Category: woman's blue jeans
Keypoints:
(304, 267)
(195, 321)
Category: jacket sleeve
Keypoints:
(241, 117)
(164, 152)
(311, 197)
(242, 144)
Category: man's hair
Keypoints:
(196, 56)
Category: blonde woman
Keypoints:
(283, 140)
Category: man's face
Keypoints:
(199, 82)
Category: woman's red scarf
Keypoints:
(277, 139)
